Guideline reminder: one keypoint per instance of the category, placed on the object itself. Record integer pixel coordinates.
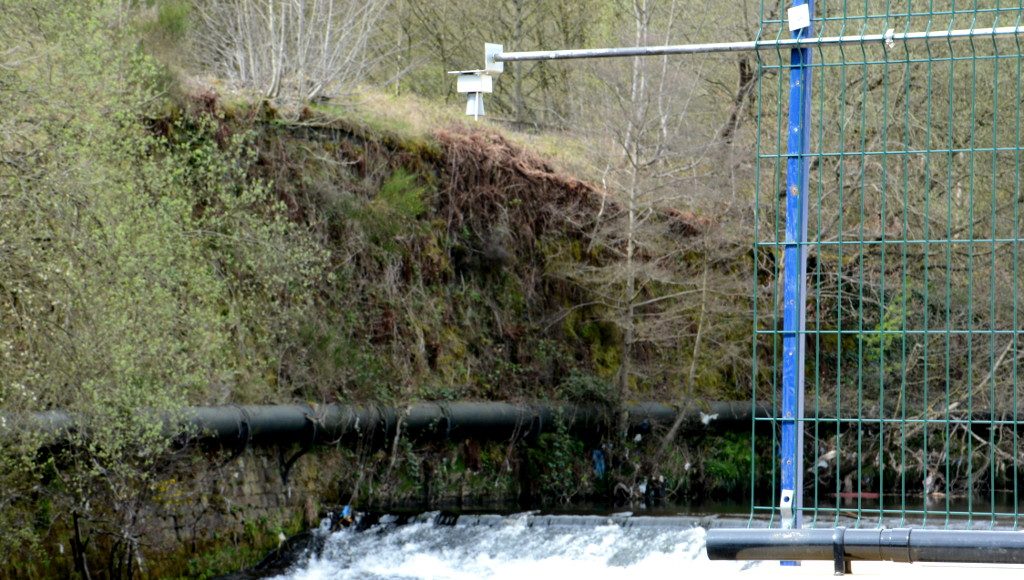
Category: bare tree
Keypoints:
(444, 35)
(668, 238)
(291, 50)
(639, 123)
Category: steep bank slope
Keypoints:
(388, 267)
(450, 270)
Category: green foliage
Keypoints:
(727, 463)
(160, 253)
(230, 555)
(392, 214)
(403, 195)
(162, 28)
(579, 386)
(885, 333)
(558, 464)
(172, 18)
(143, 269)
(602, 339)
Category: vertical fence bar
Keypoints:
(795, 284)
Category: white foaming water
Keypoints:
(512, 549)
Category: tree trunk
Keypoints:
(691, 376)
(78, 548)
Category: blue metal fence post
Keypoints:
(795, 263)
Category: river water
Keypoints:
(577, 547)
(514, 546)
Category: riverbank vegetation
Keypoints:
(222, 202)
(169, 242)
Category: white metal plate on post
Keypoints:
(474, 83)
(491, 65)
(786, 507)
(799, 17)
(475, 105)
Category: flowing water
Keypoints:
(516, 546)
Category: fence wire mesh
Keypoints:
(913, 347)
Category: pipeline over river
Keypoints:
(304, 424)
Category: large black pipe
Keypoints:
(895, 545)
(305, 424)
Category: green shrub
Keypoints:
(144, 269)
(559, 465)
(172, 18)
(727, 463)
(402, 195)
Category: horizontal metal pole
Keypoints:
(275, 424)
(887, 38)
(893, 545)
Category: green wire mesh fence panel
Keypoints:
(913, 353)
